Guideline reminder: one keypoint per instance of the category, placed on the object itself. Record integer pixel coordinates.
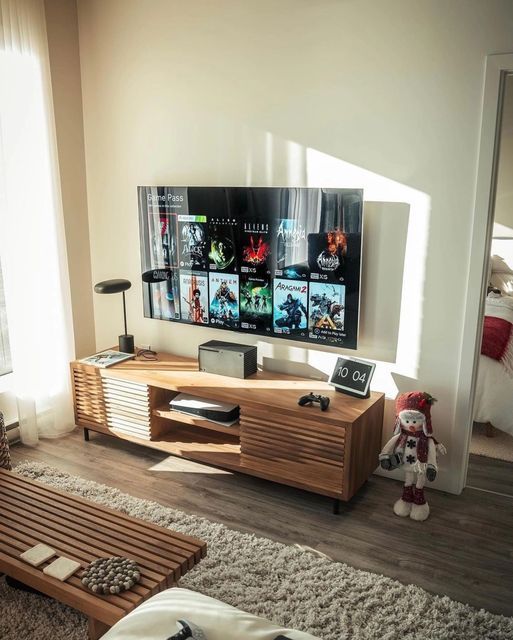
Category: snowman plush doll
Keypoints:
(413, 448)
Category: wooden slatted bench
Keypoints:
(31, 512)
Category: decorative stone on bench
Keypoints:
(157, 618)
(111, 575)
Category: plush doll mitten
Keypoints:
(388, 458)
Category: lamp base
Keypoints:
(126, 343)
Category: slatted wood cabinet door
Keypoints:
(88, 395)
(302, 450)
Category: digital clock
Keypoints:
(353, 376)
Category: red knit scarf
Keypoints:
(422, 443)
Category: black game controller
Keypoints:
(324, 401)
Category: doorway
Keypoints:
(490, 465)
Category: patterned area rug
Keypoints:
(293, 587)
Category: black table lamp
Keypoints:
(126, 341)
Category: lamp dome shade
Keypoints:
(112, 286)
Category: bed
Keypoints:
(494, 391)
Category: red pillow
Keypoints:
(496, 336)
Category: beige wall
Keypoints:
(62, 30)
(504, 197)
(384, 95)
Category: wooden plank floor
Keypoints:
(464, 551)
(490, 474)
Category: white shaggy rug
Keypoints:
(291, 586)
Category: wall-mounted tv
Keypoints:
(269, 261)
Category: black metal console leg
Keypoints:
(86, 435)
(336, 506)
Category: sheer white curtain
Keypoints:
(32, 241)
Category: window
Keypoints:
(5, 354)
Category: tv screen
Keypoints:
(269, 261)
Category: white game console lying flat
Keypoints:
(219, 412)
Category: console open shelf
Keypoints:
(187, 443)
(175, 416)
(328, 452)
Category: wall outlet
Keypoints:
(145, 346)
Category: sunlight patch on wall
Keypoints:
(301, 166)
(327, 171)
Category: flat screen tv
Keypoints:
(269, 261)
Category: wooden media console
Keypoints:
(331, 452)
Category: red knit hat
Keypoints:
(416, 401)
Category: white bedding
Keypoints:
(494, 389)
(494, 395)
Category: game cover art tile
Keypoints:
(223, 239)
(166, 297)
(256, 309)
(326, 255)
(192, 234)
(194, 297)
(326, 311)
(224, 300)
(162, 230)
(255, 243)
(290, 301)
